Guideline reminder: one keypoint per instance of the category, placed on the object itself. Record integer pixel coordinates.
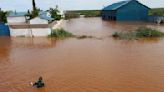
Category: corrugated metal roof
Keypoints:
(117, 5)
(17, 14)
(43, 15)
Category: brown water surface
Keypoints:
(84, 65)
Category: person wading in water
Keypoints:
(39, 83)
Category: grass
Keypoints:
(142, 32)
(86, 13)
(60, 33)
(70, 15)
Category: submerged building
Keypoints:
(20, 25)
(4, 30)
(130, 10)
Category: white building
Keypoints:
(38, 26)
(16, 18)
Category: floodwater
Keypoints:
(84, 65)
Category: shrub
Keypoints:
(116, 35)
(60, 33)
(142, 32)
(148, 32)
(83, 37)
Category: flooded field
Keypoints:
(84, 65)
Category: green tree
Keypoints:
(35, 11)
(55, 13)
(3, 15)
(34, 5)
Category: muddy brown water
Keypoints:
(84, 65)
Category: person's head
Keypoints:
(40, 78)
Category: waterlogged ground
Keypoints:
(84, 65)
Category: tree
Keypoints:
(34, 5)
(55, 13)
(3, 15)
(35, 11)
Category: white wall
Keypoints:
(41, 32)
(15, 20)
(58, 24)
(36, 32)
(38, 20)
(20, 32)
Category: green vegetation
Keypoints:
(156, 12)
(3, 15)
(35, 12)
(60, 33)
(55, 13)
(83, 37)
(142, 32)
(86, 13)
(69, 15)
(148, 32)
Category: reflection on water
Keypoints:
(34, 42)
(87, 65)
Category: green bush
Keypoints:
(148, 32)
(60, 33)
(142, 32)
(55, 13)
(83, 37)
(116, 35)
(3, 16)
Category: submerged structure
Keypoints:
(129, 10)
(20, 25)
(4, 30)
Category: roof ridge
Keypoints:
(116, 5)
(120, 4)
(125, 2)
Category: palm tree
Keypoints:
(35, 11)
(34, 5)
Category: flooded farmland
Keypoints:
(84, 65)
